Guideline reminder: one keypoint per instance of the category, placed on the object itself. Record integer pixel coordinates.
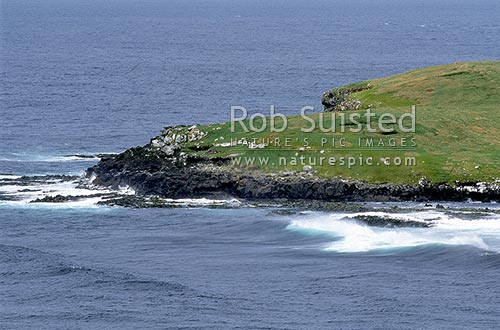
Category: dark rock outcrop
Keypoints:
(389, 222)
(340, 99)
(150, 173)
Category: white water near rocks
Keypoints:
(353, 236)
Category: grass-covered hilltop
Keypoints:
(365, 137)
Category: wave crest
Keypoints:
(351, 235)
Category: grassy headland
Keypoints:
(456, 138)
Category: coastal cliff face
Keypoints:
(166, 169)
(450, 151)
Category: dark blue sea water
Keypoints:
(87, 77)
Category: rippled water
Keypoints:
(244, 268)
(88, 77)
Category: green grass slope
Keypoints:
(457, 133)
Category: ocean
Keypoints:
(88, 77)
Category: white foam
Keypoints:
(85, 203)
(72, 159)
(24, 194)
(354, 236)
(424, 216)
(38, 158)
(9, 177)
(488, 225)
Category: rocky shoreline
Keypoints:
(162, 169)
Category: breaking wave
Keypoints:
(442, 228)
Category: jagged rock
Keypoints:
(172, 139)
(151, 175)
(308, 168)
(340, 99)
(70, 198)
(388, 222)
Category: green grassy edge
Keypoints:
(457, 131)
